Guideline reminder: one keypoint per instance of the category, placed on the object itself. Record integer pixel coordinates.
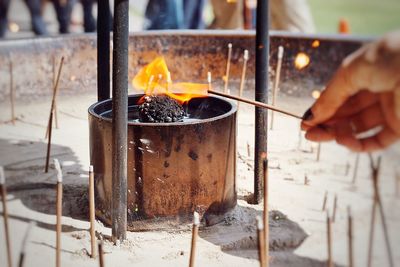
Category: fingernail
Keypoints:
(308, 115)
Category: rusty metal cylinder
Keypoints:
(173, 168)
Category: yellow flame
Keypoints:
(155, 79)
(302, 60)
(14, 27)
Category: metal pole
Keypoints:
(103, 50)
(120, 120)
(261, 115)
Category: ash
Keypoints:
(160, 109)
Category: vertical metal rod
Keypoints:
(103, 50)
(261, 94)
(120, 120)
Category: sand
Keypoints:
(229, 243)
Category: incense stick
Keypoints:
(334, 208)
(261, 242)
(195, 231)
(228, 66)
(92, 213)
(350, 236)
(101, 254)
(3, 192)
(58, 211)
(55, 103)
(276, 83)
(248, 150)
(356, 168)
(25, 243)
(325, 200)
(256, 103)
(329, 239)
(209, 80)
(12, 94)
(243, 77)
(49, 125)
(265, 212)
(318, 151)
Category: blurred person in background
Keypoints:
(285, 15)
(174, 14)
(34, 7)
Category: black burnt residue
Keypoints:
(209, 157)
(160, 109)
(166, 164)
(193, 155)
(179, 141)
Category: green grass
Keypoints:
(366, 17)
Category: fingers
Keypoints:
(382, 140)
(367, 119)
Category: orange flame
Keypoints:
(301, 61)
(154, 79)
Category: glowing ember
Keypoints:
(315, 44)
(163, 85)
(316, 94)
(302, 60)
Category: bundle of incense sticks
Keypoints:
(92, 213)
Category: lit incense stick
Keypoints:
(276, 83)
(3, 192)
(92, 213)
(195, 231)
(261, 242)
(228, 66)
(58, 211)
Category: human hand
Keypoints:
(364, 94)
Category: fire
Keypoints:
(302, 60)
(315, 43)
(155, 79)
(316, 94)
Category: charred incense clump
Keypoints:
(160, 109)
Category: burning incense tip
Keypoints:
(280, 52)
(57, 166)
(91, 168)
(230, 45)
(196, 218)
(246, 54)
(209, 77)
(2, 176)
(260, 225)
